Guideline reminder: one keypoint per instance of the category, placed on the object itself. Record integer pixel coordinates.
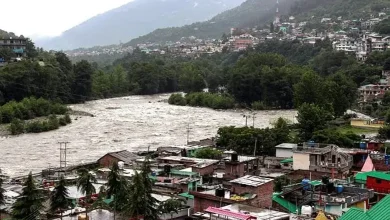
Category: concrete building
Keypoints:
(321, 158)
(233, 166)
(201, 166)
(16, 44)
(285, 150)
(251, 190)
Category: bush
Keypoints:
(258, 105)
(62, 121)
(29, 108)
(53, 122)
(177, 99)
(16, 127)
(214, 101)
(67, 118)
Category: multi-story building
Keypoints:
(250, 190)
(16, 44)
(319, 158)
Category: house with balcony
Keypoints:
(16, 44)
(322, 158)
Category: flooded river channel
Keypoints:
(127, 123)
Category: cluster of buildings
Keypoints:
(321, 181)
(101, 50)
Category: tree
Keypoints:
(309, 90)
(386, 66)
(384, 132)
(282, 130)
(116, 187)
(31, 51)
(271, 27)
(311, 118)
(340, 91)
(85, 186)
(141, 202)
(2, 199)
(100, 203)
(171, 206)
(82, 85)
(6, 54)
(59, 197)
(30, 202)
(208, 153)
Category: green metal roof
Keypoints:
(380, 175)
(354, 214)
(292, 208)
(362, 176)
(315, 182)
(380, 211)
(186, 195)
(289, 160)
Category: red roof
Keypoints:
(228, 213)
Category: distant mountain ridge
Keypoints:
(137, 18)
(249, 13)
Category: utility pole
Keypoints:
(188, 133)
(63, 149)
(254, 151)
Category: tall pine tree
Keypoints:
(58, 199)
(30, 203)
(141, 203)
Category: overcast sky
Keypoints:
(42, 18)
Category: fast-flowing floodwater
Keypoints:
(128, 123)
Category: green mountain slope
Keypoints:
(347, 9)
(253, 13)
(248, 14)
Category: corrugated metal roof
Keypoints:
(361, 177)
(292, 208)
(228, 213)
(289, 160)
(380, 211)
(355, 214)
(380, 175)
(249, 180)
(125, 156)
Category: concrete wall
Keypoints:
(284, 152)
(301, 161)
(263, 192)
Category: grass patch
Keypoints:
(348, 128)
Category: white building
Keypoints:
(285, 150)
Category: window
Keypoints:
(378, 181)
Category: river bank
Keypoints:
(130, 123)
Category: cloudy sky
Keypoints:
(43, 18)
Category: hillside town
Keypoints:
(351, 36)
(302, 181)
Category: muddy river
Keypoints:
(127, 123)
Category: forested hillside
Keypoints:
(347, 9)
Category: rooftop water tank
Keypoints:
(306, 184)
(340, 188)
(306, 210)
(121, 165)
